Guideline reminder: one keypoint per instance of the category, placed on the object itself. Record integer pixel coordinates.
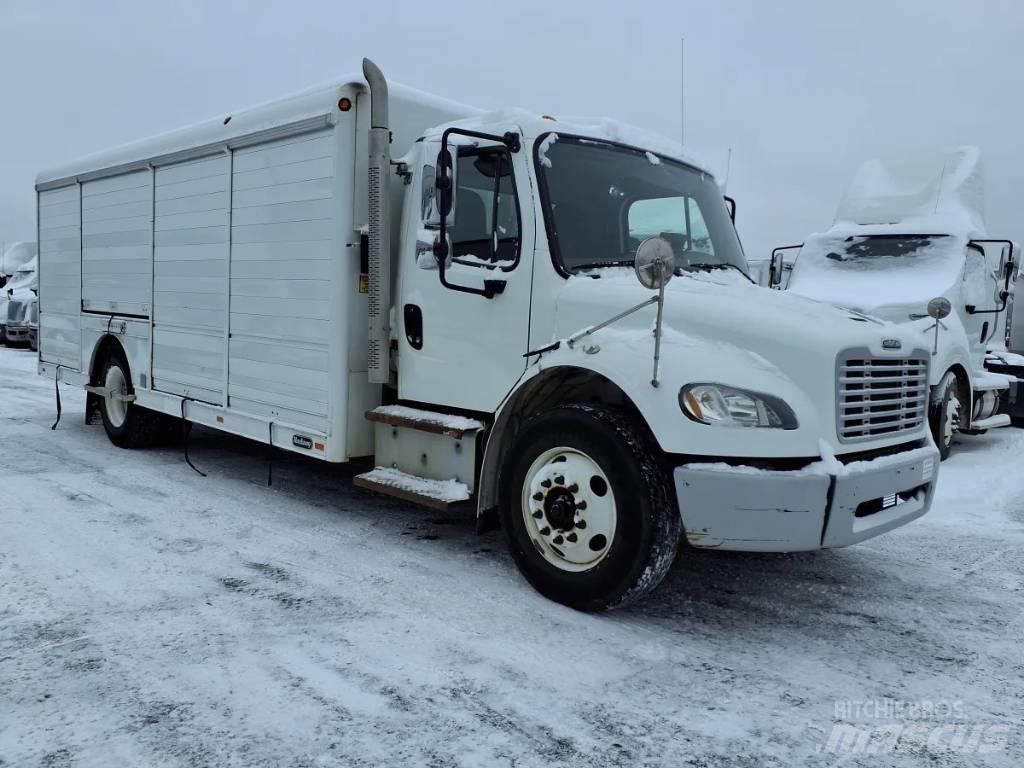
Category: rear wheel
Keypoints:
(946, 414)
(127, 424)
(587, 508)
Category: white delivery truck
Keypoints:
(908, 242)
(475, 301)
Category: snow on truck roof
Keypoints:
(322, 99)
(311, 103)
(922, 192)
(606, 128)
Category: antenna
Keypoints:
(728, 167)
(682, 91)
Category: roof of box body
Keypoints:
(307, 105)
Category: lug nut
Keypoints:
(538, 514)
(545, 531)
(573, 488)
(581, 505)
(546, 483)
(560, 479)
(538, 496)
(557, 540)
(572, 538)
(581, 524)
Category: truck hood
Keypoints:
(715, 309)
(722, 329)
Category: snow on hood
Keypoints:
(919, 192)
(868, 283)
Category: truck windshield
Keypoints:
(877, 247)
(602, 200)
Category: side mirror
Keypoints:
(655, 263)
(939, 307)
(775, 267)
(730, 205)
(444, 185)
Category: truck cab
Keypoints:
(894, 256)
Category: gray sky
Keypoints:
(802, 91)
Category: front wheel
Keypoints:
(587, 508)
(946, 414)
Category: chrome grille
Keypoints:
(880, 396)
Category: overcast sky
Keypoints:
(801, 91)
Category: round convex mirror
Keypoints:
(939, 307)
(655, 262)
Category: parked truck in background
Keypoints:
(16, 298)
(910, 233)
(548, 319)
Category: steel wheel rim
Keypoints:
(116, 407)
(569, 509)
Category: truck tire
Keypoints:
(126, 424)
(946, 412)
(587, 508)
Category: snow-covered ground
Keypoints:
(152, 617)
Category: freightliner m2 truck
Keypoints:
(548, 319)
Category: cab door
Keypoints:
(456, 348)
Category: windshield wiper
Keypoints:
(718, 265)
(600, 264)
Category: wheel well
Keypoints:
(963, 381)
(106, 346)
(552, 387)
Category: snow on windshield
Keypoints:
(866, 272)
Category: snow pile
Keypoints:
(542, 150)
(446, 420)
(930, 192)
(15, 255)
(822, 272)
(450, 491)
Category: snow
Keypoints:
(542, 151)
(867, 283)
(443, 490)
(1005, 357)
(14, 255)
(944, 188)
(652, 158)
(447, 420)
(151, 617)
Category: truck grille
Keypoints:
(880, 396)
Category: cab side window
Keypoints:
(678, 219)
(485, 232)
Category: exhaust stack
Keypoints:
(379, 278)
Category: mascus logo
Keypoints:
(891, 344)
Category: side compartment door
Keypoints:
(461, 349)
(60, 277)
(190, 278)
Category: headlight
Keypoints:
(720, 405)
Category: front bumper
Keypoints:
(16, 334)
(757, 510)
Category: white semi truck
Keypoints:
(476, 301)
(910, 232)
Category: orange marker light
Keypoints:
(344, 104)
